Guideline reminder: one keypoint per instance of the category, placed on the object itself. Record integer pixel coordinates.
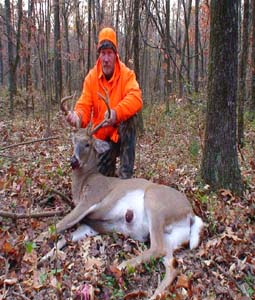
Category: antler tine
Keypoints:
(63, 103)
(106, 101)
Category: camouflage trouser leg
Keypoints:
(125, 148)
(127, 132)
(107, 160)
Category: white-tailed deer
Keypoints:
(134, 207)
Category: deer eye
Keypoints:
(86, 145)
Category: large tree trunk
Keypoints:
(220, 167)
(252, 103)
(1, 59)
(242, 73)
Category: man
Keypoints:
(125, 101)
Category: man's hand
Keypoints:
(73, 119)
(112, 120)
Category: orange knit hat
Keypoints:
(107, 34)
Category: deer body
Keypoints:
(134, 207)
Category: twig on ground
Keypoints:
(46, 214)
(65, 198)
(30, 142)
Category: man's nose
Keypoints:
(106, 57)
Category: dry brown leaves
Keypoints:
(169, 153)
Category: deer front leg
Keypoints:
(75, 216)
(81, 232)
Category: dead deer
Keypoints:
(134, 207)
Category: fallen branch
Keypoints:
(65, 198)
(45, 214)
(30, 142)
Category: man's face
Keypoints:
(108, 59)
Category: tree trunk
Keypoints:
(12, 84)
(242, 73)
(220, 167)
(1, 60)
(168, 86)
(185, 48)
(196, 71)
(29, 95)
(252, 103)
(66, 7)
(89, 37)
(137, 54)
(57, 54)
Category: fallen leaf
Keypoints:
(135, 294)
(183, 281)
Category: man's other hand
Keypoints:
(73, 119)
(112, 120)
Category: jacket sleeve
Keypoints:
(83, 106)
(132, 100)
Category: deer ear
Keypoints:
(101, 146)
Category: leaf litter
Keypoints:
(169, 152)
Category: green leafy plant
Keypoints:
(30, 246)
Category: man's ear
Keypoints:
(101, 146)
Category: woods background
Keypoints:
(49, 46)
(195, 62)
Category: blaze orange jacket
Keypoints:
(125, 98)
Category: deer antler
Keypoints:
(63, 103)
(106, 99)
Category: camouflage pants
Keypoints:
(124, 149)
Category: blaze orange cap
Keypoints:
(107, 34)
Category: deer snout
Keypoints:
(74, 162)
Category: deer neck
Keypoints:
(82, 175)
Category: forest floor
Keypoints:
(169, 152)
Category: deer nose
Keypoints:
(74, 162)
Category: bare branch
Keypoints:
(46, 214)
(30, 142)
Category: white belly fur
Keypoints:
(138, 228)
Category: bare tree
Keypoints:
(57, 54)
(29, 95)
(66, 5)
(13, 60)
(196, 45)
(89, 37)
(137, 53)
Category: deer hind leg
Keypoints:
(157, 248)
(171, 273)
(176, 237)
